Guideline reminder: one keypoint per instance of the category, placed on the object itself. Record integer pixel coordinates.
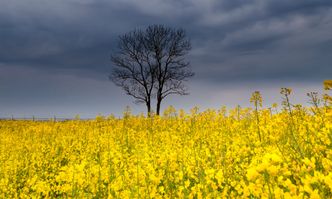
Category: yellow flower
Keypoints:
(208, 154)
(252, 174)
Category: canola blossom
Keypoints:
(237, 153)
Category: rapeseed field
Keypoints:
(279, 152)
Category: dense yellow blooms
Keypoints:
(210, 154)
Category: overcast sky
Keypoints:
(55, 55)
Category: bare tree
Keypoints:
(151, 63)
(169, 47)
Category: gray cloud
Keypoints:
(233, 41)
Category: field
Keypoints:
(278, 152)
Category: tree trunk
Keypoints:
(158, 105)
(148, 106)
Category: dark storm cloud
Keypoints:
(292, 42)
(54, 55)
(232, 39)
